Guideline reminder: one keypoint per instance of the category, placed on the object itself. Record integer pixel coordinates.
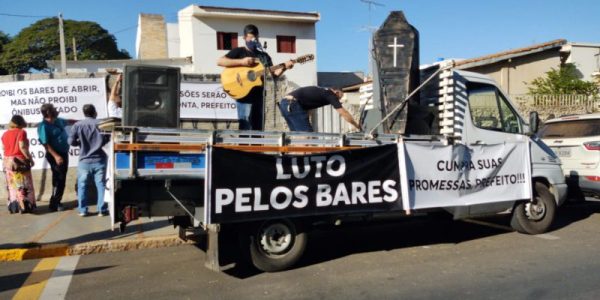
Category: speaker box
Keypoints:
(151, 96)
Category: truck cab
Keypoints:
(493, 118)
(473, 110)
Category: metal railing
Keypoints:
(589, 103)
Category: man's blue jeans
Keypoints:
(295, 116)
(85, 172)
(250, 115)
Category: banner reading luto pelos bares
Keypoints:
(68, 95)
(244, 186)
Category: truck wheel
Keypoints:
(535, 217)
(276, 245)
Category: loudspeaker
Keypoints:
(151, 96)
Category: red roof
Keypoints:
(492, 58)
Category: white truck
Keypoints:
(465, 151)
(163, 172)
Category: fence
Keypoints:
(549, 106)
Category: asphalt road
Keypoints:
(416, 259)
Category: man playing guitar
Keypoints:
(250, 107)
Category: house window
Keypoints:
(286, 44)
(227, 40)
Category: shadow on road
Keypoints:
(16, 281)
(328, 245)
(573, 212)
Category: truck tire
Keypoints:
(276, 245)
(535, 217)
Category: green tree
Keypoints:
(40, 42)
(4, 39)
(562, 81)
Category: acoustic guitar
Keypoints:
(238, 81)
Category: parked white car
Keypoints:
(576, 141)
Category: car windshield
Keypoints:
(571, 129)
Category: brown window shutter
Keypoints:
(220, 42)
(286, 44)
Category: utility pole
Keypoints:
(74, 50)
(371, 30)
(63, 53)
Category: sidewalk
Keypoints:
(73, 234)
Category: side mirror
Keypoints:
(534, 122)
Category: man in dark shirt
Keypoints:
(92, 159)
(250, 108)
(295, 105)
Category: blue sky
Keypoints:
(448, 28)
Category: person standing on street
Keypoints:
(17, 167)
(53, 136)
(295, 106)
(92, 159)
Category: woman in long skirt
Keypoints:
(16, 152)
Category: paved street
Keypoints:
(415, 259)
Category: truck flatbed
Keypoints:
(180, 153)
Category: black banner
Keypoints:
(245, 186)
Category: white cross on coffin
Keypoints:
(395, 45)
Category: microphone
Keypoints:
(259, 47)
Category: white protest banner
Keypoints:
(459, 175)
(68, 95)
(38, 152)
(206, 101)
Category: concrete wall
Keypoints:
(513, 75)
(173, 40)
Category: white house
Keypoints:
(206, 33)
(586, 57)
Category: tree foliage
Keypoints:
(4, 39)
(40, 42)
(562, 81)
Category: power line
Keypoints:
(125, 29)
(24, 16)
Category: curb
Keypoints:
(95, 247)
